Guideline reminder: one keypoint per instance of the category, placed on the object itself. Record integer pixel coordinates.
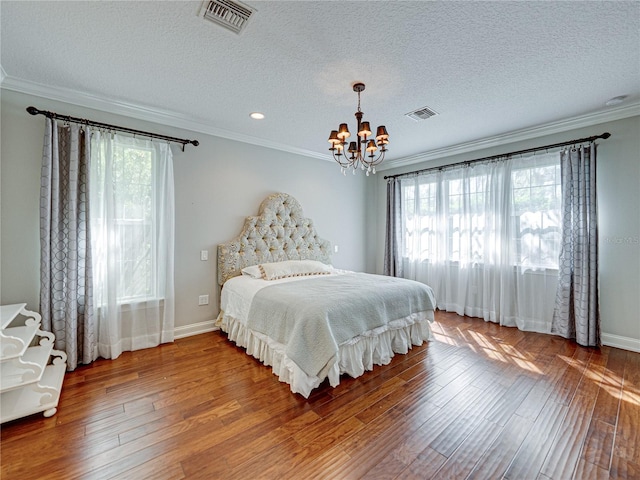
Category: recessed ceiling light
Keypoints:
(257, 115)
(615, 100)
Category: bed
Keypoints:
(284, 302)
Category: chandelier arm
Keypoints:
(380, 158)
(376, 160)
(337, 159)
(355, 161)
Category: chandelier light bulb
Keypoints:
(343, 132)
(365, 130)
(381, 134)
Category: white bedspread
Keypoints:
(373, 347)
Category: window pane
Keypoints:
(134, 221)
(454, 217)
(537, 204)
(123, 218)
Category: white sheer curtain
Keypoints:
(132, 224)
(486, 238)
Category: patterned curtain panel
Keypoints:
(576, 312)
(393, 239)
(66, 284)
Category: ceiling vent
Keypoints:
(231, 15)
(421, 114)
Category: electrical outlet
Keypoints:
(203, 300)
(335, 249)
(204, 255)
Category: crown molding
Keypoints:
(141, 112)
(165, 117)
(587, 120)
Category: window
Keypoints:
(134, 222)
(537, 200)
(466, 204)
(459, 215)
(420, 214)
(127, 217)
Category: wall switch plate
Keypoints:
(203, 300)
(335, 249)
(204, 255)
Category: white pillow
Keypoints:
(252, 271)
(293, 268)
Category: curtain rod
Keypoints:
(67, 118)
(494, 157)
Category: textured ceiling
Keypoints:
(487, 68)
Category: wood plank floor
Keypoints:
(479, 401)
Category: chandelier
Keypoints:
(361, 153)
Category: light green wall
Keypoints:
(618, 189)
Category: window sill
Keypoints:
(528, 270)
(131, 305)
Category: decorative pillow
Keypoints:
(252, 271)
(293, 268)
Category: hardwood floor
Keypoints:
(479, 401)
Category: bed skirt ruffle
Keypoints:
(357, 355)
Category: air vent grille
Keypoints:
(421, 114)
(231, 15)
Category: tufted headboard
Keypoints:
(279, 232)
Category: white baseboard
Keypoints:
(608, 339)
(626, 343)
(195, 329)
